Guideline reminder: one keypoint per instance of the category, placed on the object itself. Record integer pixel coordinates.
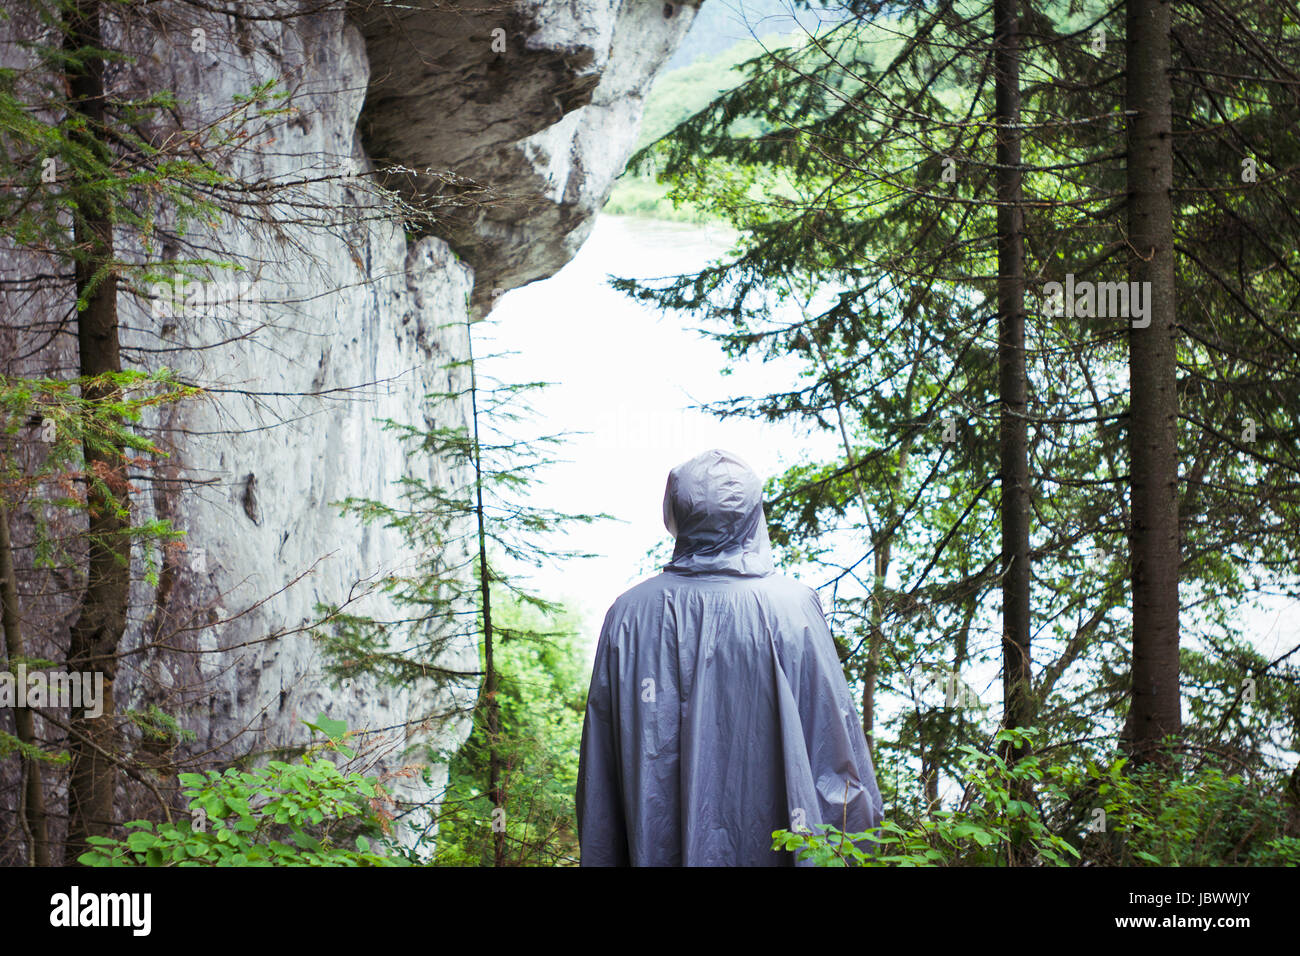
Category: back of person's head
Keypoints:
(713, 506)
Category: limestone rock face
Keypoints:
(352, 321)
(537, 102)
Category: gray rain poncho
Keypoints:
(717, 711)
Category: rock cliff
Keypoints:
(508, 122)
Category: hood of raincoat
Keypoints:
(713, 506)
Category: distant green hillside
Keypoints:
(675, 96)
(680, 93)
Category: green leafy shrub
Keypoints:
(305, 814)
(1192, 817)
(1181, 816)
(977, 834)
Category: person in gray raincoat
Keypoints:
(717, 710)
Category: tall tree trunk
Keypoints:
(1153, 410)
(101, 618)
(876, 642)
(1013, 401)
(33, 797)
(492, 707)
(1012, 384)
